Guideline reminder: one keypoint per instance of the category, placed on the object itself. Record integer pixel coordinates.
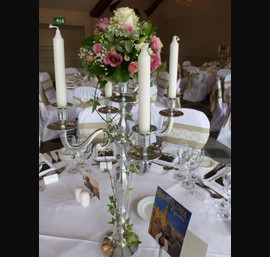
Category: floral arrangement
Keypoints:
(112, 52)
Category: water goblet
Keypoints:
(224, 205)
(182, 150)
(201, 153)
(71, 139)
(191, 162)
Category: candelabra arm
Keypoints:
(86, 142)
(168, 128)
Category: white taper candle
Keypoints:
(59, 68)
(174, 47)
(144, 64)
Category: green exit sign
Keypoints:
(59, 20)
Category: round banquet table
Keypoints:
(67, 229)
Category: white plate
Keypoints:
(207, 162)
(145, 207)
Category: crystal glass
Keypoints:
(224, 205)
(193, 175)
(191, 161)
(182, 150)
(71, 139)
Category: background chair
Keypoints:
(195, 90)
(46, 88)
(224, 135)
(71, 73)
(193, 128)
(220, 103)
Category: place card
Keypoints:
(188, 249)
(105, 165)
(50, 179)
(91, 183)
(169, 222)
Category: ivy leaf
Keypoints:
(94, 103)
(121, 74)
(96, 69)
(128, 116)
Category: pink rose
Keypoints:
(156, 44)
(133, 67)
(90, 58)
(97, 48)
(102, 24)
(155, 61)
(113, 59)
(128, 27)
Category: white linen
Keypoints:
(224, 135)
(66, 229)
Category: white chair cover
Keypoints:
(49, 114)
(162, 82)
(194, 90)
(193, 128)
(46, 88)
(220, 103)
(70, 73)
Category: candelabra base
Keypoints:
(59, 125)
(171, 113)
(137, 153)
(110, 249)
(106, 109)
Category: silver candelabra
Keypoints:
(141, 154)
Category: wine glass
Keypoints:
(224, 205)
(182, 150)
(191, 162)
(201, 153)
(71, 139)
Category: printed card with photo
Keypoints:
(91, 183)
(169, 222)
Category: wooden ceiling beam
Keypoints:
(152, 7)
(99, 8)
(114, 5)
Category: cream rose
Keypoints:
(126, 15)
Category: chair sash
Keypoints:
(70, 76)
(47, 90)
(162, 80)
(195, 137)
(84, 104)
(218, 93)
(191, 77)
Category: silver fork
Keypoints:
(212, 192)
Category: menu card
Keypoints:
(91, 183)
(169, 222)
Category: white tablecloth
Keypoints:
(66, 229)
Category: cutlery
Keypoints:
(214, 171)
(212, 192)
(59, 159)
(97, 162)
(58, 171)
(166, 167)
(53, 160)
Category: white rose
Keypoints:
(126, 15)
